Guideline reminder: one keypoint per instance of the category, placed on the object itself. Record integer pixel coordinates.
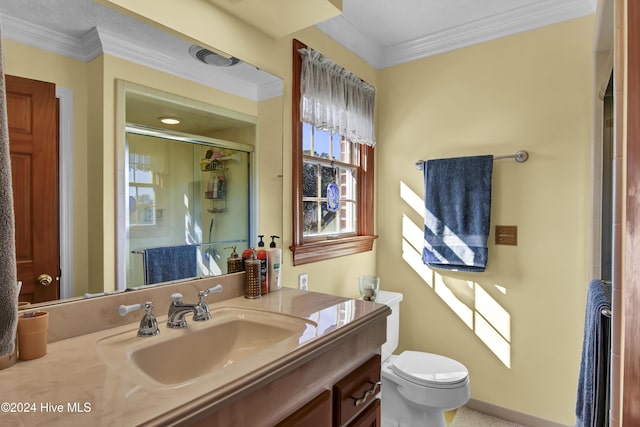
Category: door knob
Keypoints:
(44, 280)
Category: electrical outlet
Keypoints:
(303, 281)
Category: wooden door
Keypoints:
(631, 257)
(33, 145)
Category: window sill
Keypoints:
(328, 249)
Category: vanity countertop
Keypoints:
(72, 384)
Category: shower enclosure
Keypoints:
(185, 190)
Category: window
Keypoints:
(332, 188)
(142, 194)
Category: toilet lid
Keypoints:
(428, 369)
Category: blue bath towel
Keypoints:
(457, 199)
(592, 409)
(169, 263)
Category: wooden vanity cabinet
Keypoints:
(356, 391)
(321, 390)
(354, 401)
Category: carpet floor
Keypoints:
(465, 417)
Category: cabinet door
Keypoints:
(355, 391)
(370, 417)
(315, 413)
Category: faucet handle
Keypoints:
(216, 289)
(204, 313)
(126, 309)
(148, 325)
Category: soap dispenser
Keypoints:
(275, 262)
(252, 288)
(234, 262)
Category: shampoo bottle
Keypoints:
(275, 261)
(263, 256)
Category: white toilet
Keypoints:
(417, 387)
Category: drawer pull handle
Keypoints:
(366, 394)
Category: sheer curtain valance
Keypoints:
(334, 99)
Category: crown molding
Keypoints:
(270, 89)
(99, 41)
(539, 14)
(49, 40)
(342, 31)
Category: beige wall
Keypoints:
(517, 326)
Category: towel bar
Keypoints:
(520, 157)
(606, 312)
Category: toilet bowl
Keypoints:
(417, 387)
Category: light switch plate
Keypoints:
(507, 235)
(303, 281)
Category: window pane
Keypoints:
(309, 218)
(330, 223)
(337, 148)
(142, 205)
(144, 177)
(321, 143)
(306, 138)
(348, 181)
(328, 177)
(309, 180)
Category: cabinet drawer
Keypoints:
(355, 391)
(315, 413)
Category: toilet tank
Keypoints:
(391, 299)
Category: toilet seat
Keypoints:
(430, 370)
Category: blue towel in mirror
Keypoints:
(169, 263)
(458, 208)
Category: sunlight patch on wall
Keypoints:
(496, 343)
(413, 200)
(411, 239)
(480, 312)
(501, 289)
(495, 314)
(458, 307)
(412, 234)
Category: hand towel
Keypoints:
(458, 209)
(592, 409)
(8, 275)
(169, 263)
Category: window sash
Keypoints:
(346, 215)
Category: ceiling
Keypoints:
(382, 32)
(386, 33)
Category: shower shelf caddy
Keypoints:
(216, 184)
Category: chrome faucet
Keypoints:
(200, 311)
(148, 324)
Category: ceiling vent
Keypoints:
(212, 58)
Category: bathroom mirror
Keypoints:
(96, 56)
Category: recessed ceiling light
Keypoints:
(170, 120)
